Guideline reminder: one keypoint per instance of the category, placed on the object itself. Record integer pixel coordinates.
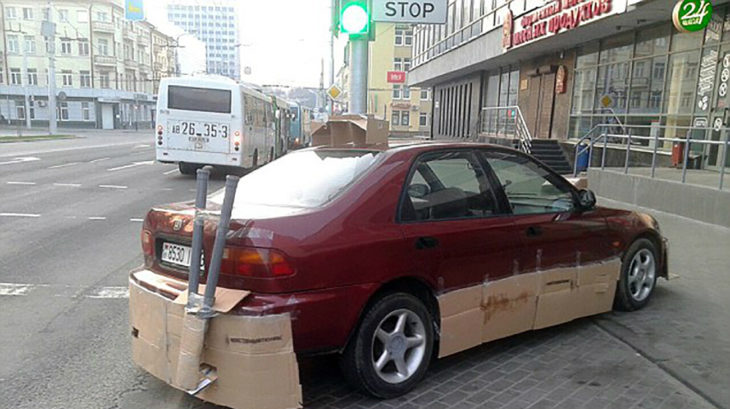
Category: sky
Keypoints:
(284, 41)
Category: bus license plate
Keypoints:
(178, 255)
(205, 129)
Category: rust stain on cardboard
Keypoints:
(500, 303)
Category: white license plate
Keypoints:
(178, 255)
(202, 129)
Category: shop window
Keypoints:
(587, 55)
(680, 84)
(652, 41)
(584, 87)
(617, 48)
(686, 41)
(612, 88)
(647, 83)
(514, 85)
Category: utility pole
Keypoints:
(359, 75)
(49, 31)
(333, 27)
(25, 81)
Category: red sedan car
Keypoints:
(391, 257)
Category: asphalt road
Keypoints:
(70, 218)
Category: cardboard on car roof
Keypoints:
(253, 357)
(352, 130)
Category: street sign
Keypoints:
(396, 77)
(334, 91)
(133, 10)
(410, 11)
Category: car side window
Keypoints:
(447, 185)
(530, 189)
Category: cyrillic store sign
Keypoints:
(554, 17)
(691, 15)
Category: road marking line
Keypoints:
(113, 186)
(19, 215)
(109, 292)
(131, 165)
(20, 160)
(169, 172)
(21, 183)
(63, 166)
(134, 219)
(99, 160)
(96, 218)
(142, 146)
(168, 188)
(67, 184)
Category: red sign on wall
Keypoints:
(396, 77)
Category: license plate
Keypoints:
(201, 129)
(178, 255)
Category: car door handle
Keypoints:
(533, 231)
(426, 242)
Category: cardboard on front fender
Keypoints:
(253, 356)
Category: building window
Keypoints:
(46, 14)
(63, 15)
(67, 78)
(27, 13)
(403, 35)
(395, 118)
(424, 95)
(32, 77)
(85, 112)
(406, 92)
(102, 16)
(15, 78)
(396, 91)
(103, 46)
(13, 46)
(83, 46)
(62, 112)
(10, 13)
(30, 44)
(423, 119)
(104, 80)
(82, 16)
(31, 105)
(405, 118)
(85, 79)
(65, 46)
(398, 64)
(20, 109)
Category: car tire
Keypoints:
(396, 334)
(639, 271)
(188, 168)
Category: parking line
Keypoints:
(67, 184)
(21, 183)
(63, 166)
(19, 215)
(134, 219)
(96, 218)
(99, 160)
(109, 292)
(113, 186)
(169, 172)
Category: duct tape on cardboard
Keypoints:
(523, 302)
(253, 356)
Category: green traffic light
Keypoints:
(354, 19)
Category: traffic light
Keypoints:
(354, 17)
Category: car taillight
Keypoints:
(255, 262)
(148, 248)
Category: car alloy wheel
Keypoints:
(642, 274)
(398, 346)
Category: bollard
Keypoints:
(197, 246)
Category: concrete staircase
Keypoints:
(549, 151)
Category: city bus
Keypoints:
(300, 134)
(212, 120)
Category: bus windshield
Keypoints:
(199, 99)
(302, 179)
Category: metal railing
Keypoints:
(586, 144)
(504, 121)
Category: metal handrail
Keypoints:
(518, 122)
(687, 140)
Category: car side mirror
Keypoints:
(418, 190)
(586, 199)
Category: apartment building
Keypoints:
(107, 69)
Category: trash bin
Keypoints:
(677, 154)
(583, 154)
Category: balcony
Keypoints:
(105, 60)
(144, 66)
(130, 63)
(128, 34)
(102, 26)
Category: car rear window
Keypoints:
(308, 178)
(199, 99)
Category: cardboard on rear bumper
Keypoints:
(252, 356)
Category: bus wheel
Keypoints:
(187, 168)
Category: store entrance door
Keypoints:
(541, 101)
(714, 153)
